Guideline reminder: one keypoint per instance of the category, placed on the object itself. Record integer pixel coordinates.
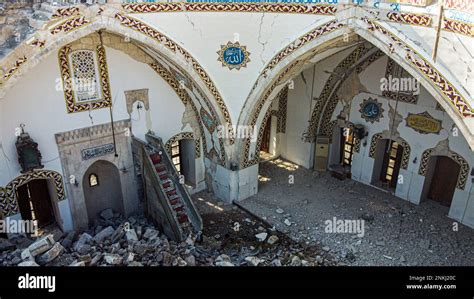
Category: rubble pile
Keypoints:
(115, 241)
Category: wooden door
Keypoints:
(266, 136)
(391, 164)
(23, 200)
(41, 201)
(347, 146)
(34, 202)
(443, 183)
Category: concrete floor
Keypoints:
(396, 232)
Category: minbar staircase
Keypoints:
(167, 201)
(170, 190)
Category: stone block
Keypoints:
(131, 235)
(51, 254)
(83, 240)
(104, 234)
(42, 245)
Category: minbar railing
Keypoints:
(157, 203)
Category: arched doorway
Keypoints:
(183, 150)
(388, 160)
(34, 202)
(441, 180)
(343, 144)
(183, 156)
(102, 189)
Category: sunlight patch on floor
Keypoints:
(285, 164)
(211, 204)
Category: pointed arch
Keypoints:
(89, 20)
(437, 81)
(464, 165)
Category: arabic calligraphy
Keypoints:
(423, 123)
(371, 110)
(97, 151)
(233, 55)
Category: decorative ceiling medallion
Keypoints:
(233, 55)
(371, 110)
(423, 123)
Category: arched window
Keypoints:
(93, 180)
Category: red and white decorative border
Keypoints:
(14, 68)
(70, 24)
(429, 71)
(316, 9)
(458, 27)
(409, 18)
(65, 12)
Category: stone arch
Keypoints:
(8, 203)
(94, 18)
(181, 136)
(385, 135)
(436, 80)
(464, 170)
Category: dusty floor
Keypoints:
(232, 231)
(396, 231)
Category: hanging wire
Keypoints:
(391, 126)
(111, 103)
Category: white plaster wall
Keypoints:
(39, 104)
(263, 34)
(293, 147)
(42, 108)
(299, 108)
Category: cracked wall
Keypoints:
(358, 88)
